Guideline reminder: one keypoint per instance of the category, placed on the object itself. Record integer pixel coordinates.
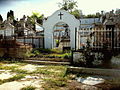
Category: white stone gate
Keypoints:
(60, 16)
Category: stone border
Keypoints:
(94, 71)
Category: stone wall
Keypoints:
(19, 52)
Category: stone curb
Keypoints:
(46, 62)
(94, 71)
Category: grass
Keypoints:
(14, 69)
(54, 76)
(28, 88)
(48, 53)
(41, 71)
(14, 78)
(20, 71)
(64, 55)
(55, 83)
(8, 67)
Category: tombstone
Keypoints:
(60, 16)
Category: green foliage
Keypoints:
(67, 5)
(71, 7)
(20, 71)
(29, 54)
(16, 77)
(89, 58)
(67, 55)
(76, 13)
(97, 15)
(42, 71)
(57, 77)
(8, 67)
(41, 50)
(55, 83)
(28, 88)
(38, 17)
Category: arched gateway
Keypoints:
(65, 24)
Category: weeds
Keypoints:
(20, 71)
(14, 78)
(28, 88)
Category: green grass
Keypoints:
(64, 55)
(55, 83)
(54, 76)
(8, 67)
(28, 88)
(14, 69)
(48, 53)
(20, 71)
(14, 78)
(41, 71)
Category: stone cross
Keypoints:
(60, 15)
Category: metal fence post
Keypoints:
(75, 38)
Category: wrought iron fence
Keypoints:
(100, 38)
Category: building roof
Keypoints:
(88, 22)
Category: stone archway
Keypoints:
(60, 16)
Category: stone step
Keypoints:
(46, 62)
(50, 59)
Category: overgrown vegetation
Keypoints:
(49, 53)
(54, 77)
(90, 58)
(14, 78)
(28, 88)
(57, 77)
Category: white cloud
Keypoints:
(48, 7)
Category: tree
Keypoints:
(10, 14)
(1, 19)
(97, 15)
(71, 7)
(76, 13)
(37, 17)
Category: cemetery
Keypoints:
(61, 53)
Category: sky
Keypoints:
(47, 7)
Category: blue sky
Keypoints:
(47, 7)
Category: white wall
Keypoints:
(49, 24)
